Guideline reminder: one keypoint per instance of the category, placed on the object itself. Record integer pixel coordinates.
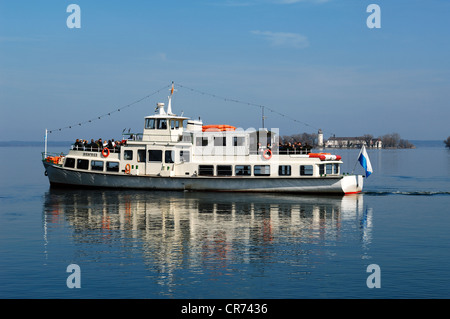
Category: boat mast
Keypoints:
(169, 105)
(263, 117)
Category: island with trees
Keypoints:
(392, 140)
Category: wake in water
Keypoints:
(413, 193)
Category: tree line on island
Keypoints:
(392, 140)
(447, 142)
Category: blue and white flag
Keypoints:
(364, 160)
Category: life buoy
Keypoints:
(267, 154)
(127, 169)
(105, 152)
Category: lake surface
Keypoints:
(173, 245)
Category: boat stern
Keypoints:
(352, 184)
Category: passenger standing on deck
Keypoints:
(99, 143)
(78, 145)
(92, 146)
(260, 148)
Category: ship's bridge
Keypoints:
(166, 126)
(163, 128)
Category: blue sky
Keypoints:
(315, 61)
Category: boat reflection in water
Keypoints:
(207, 230)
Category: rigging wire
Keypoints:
(226, 99)
(111, 112)
(262, 107)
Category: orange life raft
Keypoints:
(53, 159)
(218, 128)
(325, 156)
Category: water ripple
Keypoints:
(408, 193)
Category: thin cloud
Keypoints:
(4, 39)
(284, 39)
(233, 3)
(240, 3)
(297, 1)
(162, 56)
(158, 56)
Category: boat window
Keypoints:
(284, 170)
(184, 156)
(187, 137)
(220, 141)
(306, 170)
(174, 124)
(168, 156)
(128, 155)
(141, 156)
(238, 141)
(70, 162)
(206, 170)
(149, 123)
(112, 166)
(261, 170)
(329, 168)
(161, 124)
(155, 155)
(97, 165)
(321, 169)
(201, 141)
(242, 170)
(224, 170)
(336, 168)
(82, 164)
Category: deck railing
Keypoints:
(284, 151)
(94, 149)
(279, 151)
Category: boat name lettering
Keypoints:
(90, 154)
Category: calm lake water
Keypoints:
(136, 244)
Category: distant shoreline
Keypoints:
(34, 143)
(417, 143)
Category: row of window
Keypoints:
(161, 124)
(220, 141)
(156, 156)
(95, 165)
(153, 156)
(328, 169)
(210, 170)
(264, 170)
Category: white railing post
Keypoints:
(45, 143)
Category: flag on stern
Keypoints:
(364, 160)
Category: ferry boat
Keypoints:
(178, 153)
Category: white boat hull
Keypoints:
(349, 184)
(176, 153)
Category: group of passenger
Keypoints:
(98, 145)
(294, 148)
(287, 148)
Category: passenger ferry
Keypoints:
(178, 153)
